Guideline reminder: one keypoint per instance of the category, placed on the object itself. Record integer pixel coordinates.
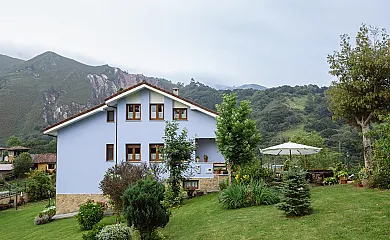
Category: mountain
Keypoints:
(244, 86)
(49, 87)
(8, 62)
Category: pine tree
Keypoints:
(296, 193)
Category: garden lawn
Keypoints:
(340, 212)
(19, 224)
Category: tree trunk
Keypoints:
(229, 168)
(367, 147)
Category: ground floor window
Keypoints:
(133, 152)
(191, 183)
(51, 166)
(155, 152)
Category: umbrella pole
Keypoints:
(290, 159)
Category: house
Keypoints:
(129, 126)
(5, 169)
(2, 153)
(13, 152)
(45, 162)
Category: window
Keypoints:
(155, 152)
(110, 116)
(50, 166)
(191, 183)
(110, 152)
(133, 112)
(133, 152)
(156, 111)
(180, 114)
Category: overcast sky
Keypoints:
(227, 42)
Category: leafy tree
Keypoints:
(178, 150)
(237, 135)
(362, 89)
(13, 141)
(39, 185)
(381, 157)
(323, 160)
(117, 179)
(143, 208)
(22, 164)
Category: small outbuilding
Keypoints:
(45, 162)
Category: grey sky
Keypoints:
(271, 43)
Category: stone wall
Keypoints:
(210, 184)
(68, 203)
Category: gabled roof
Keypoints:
(45, 158)
(121, 94)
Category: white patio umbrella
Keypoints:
(291, 148)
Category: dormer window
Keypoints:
(156, 111)
(180, 114)
(133, 112)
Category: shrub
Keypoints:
(256, 171)
(90, 213)
(330, 181)
(39, 185)
(261, 194)
(143, 208)
(22, 164)
(91, 235)
(253, 194)
(2, 180)
(118, 179)
(234, 196)
(50, 211)
(169, 200)
(223, 184)
(41, 219)
(115, 232)
(296, 191)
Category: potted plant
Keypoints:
(218, 170)
(364, 177)
(197, 159)
(343, 176)
(190, 191)
(205, 158)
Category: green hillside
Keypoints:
(49, 88)
(8, 62)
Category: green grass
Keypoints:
(340, 212)
(297, 102)
(19, 224)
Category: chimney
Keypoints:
(175, 91)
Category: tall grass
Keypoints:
(244, 195)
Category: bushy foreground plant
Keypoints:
(256, 171)
(170, 200)
(90, 213)
(45, 216)
(92, 234)
(143, 208)
(39, 185)
(114, 232)
(296, 201)
(118, 179)
(239, 195)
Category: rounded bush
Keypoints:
(42, 219)
(114, 232)
(90, 213)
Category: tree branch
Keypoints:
(368, 119)
(358, 122)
